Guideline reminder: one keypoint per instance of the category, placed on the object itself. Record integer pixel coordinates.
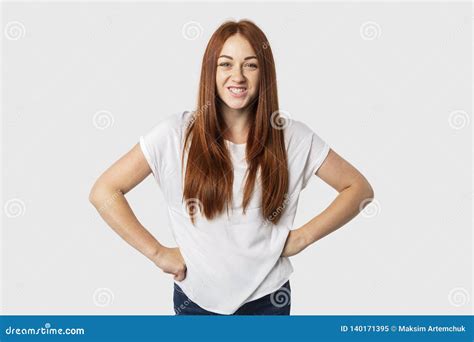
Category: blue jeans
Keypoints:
(275, 303)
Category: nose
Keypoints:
(237, 74)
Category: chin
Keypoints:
(233, 104)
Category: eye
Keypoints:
(224, 64)
(251, 65)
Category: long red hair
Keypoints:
(209, 173)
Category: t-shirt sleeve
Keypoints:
(154, 144)
(316, 154)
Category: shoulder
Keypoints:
(297, 131)
(176, 121)
(172, 124)
(302, 139)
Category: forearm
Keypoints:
(343, 209)
(116, 212)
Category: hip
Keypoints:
(275, 303)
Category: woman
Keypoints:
(231, 173)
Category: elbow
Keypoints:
(366, 190)
(103, 194)
(369, 192)
(93, 196)
(97, 194)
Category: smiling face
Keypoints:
(237, 75)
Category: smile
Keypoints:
(238, 91)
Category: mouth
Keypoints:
(237, 91)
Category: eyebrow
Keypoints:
(249, 57)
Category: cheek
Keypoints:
(256, 83)
(219, 84)
(220, 80)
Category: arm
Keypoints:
(353, 188)
(107, 196)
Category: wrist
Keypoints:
(157, 254)
(305, 237)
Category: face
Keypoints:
(237, 75)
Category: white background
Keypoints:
(387, 85)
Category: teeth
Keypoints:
(237, 90)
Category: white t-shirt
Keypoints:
(231, 259)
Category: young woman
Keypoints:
(231, 173)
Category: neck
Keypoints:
(237, 122)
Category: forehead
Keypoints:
(237, 46)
